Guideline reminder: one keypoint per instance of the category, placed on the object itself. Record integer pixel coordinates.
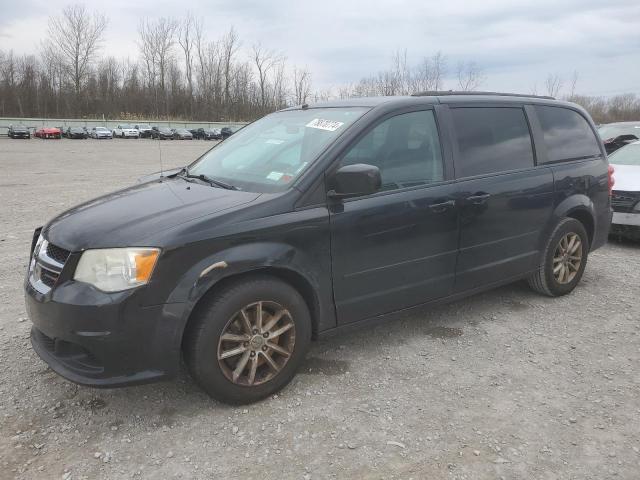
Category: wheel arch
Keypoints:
(579, 207)
(277, 260)
(291, 277)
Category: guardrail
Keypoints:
(34, 123)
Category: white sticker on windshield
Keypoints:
(274, 141)
(275, 176)
(329, 125)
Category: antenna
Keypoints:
(160, 154)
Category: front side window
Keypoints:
(269, 154)
(567, 135)
(491, 140)
(405, 148)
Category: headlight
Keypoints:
(637, 207)
(115, 269)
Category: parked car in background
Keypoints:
(198, 133)
(162, 133)
(76, 132)
(144, 129)
(213, 134)
(182, 134)
(625, 198)
(48, 132)
(100, 133)
(617, 135)
(312, 221)
(18, 131)
(206, 134)
(225, 132)
(125, 131)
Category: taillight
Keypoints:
(612, 181)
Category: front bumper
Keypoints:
(104, 339)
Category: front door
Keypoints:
(396, 248)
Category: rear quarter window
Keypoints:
(566, 134)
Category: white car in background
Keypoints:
(625, 198)
(125, 130)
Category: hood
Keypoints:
(128, 217)
(627, 178)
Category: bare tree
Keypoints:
(187, 40)
(572, 84)
(229, 48)
(77, 35)
(439, 67)
(264, 60)
(157, 39)
(301, 85)
(553, 84)
(470, 76)
(430, 73)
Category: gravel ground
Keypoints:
(507, 384)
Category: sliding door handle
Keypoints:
(479, 198)
(442, 207)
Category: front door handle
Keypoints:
(442, 207)
(479, 198)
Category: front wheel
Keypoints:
(563, 261)
(247, 341)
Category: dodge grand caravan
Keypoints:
(310, 221)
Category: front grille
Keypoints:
(48, 277)
(624, 201)
(46, 266)
(58, 254)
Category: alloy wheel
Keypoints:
(567, 258)
(256, 343)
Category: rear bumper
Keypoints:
(104, 340)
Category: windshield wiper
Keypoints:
(214, 183)
(211, 181)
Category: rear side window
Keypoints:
(567, 135)
(491, 140)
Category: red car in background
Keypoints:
(48, 132)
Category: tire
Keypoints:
(544, 280)
(215, 316)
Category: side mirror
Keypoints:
(355, 180)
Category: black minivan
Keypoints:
(310, 221)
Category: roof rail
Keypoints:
(442, 93)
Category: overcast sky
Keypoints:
(517, 43)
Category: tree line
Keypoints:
(181, 73)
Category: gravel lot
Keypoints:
(507, 384)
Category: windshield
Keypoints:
(101, 129)
(165, 130)
(629, 155)
(268, 155)
(612, 131)
(126, 125)
(182, 130)
(144, 127)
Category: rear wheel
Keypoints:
(247, 341)
(563, 261)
